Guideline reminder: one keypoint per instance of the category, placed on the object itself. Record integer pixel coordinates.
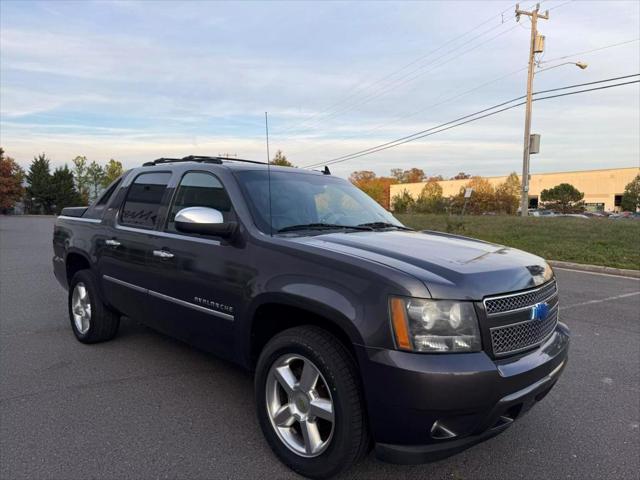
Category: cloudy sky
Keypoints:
(140, 80)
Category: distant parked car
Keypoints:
(574, 215)
(542, 213)
(619, 215)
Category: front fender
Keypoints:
(338, 306)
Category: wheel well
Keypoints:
(271, 319)
(75, 263)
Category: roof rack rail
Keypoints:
(198, 158)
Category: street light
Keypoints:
(532, 142)
(580, 65)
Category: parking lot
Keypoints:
(147, 406)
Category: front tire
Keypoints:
(309, 402)
(91, 320)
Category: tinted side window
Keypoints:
(104, 199)
(143, 200)
(200, 189)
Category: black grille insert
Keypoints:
(523, 335)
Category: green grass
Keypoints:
(595, 241)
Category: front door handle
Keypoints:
(162, 254)
(112, 242)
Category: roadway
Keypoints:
(147, 406)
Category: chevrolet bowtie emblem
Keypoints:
(539, 311)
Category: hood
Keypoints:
(451, 266)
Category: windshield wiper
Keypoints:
(384, 225)
(323, 226)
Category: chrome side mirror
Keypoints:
(204, 221)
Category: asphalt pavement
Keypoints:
(147, 406)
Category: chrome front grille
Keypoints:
(517, 301)
(515, 328)
(521, 336)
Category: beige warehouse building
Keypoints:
(602, 189)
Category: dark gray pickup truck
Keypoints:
(362, 333)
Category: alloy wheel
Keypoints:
(81, 308)
(300, 405)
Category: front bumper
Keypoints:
(425, 407)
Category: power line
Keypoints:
(483, 85)
(327, 113)
(403, 80)
(421, 110)
(564, 57)
(604, 87)
(439, 129)
(405, 66)
(479, 112)
(613, 79)
(500, 78)
(457, 122)
(328, 110)
(561, 5)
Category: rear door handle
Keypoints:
(162, 254)
(112, 242)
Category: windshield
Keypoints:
(304, 199)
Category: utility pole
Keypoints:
(537, 45)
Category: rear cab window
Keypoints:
(142, 206)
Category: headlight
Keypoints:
(434, 325)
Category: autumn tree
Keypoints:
(430, 199)
(11, 176)
(39, 188)
(376, 187)
(482, 199)
(507, 195)
(564, 198)
(281, 160)
(81, 177)
(631, 196)
(95, 177)
(413, 175)
(461, 176)
(112, 170)
(64, 190)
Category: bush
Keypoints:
(403, 203)
(430, 199)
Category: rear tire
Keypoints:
(91, 320)
(319, 430)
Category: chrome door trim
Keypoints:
(167, 235)
(177, 301)
(183, 303)
(80, 219)
(125, 284)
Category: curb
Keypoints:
(623, 272)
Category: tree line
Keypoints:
(379, 188)
(485, 198)
(46, 192)
(504, 198)
(42, 191)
